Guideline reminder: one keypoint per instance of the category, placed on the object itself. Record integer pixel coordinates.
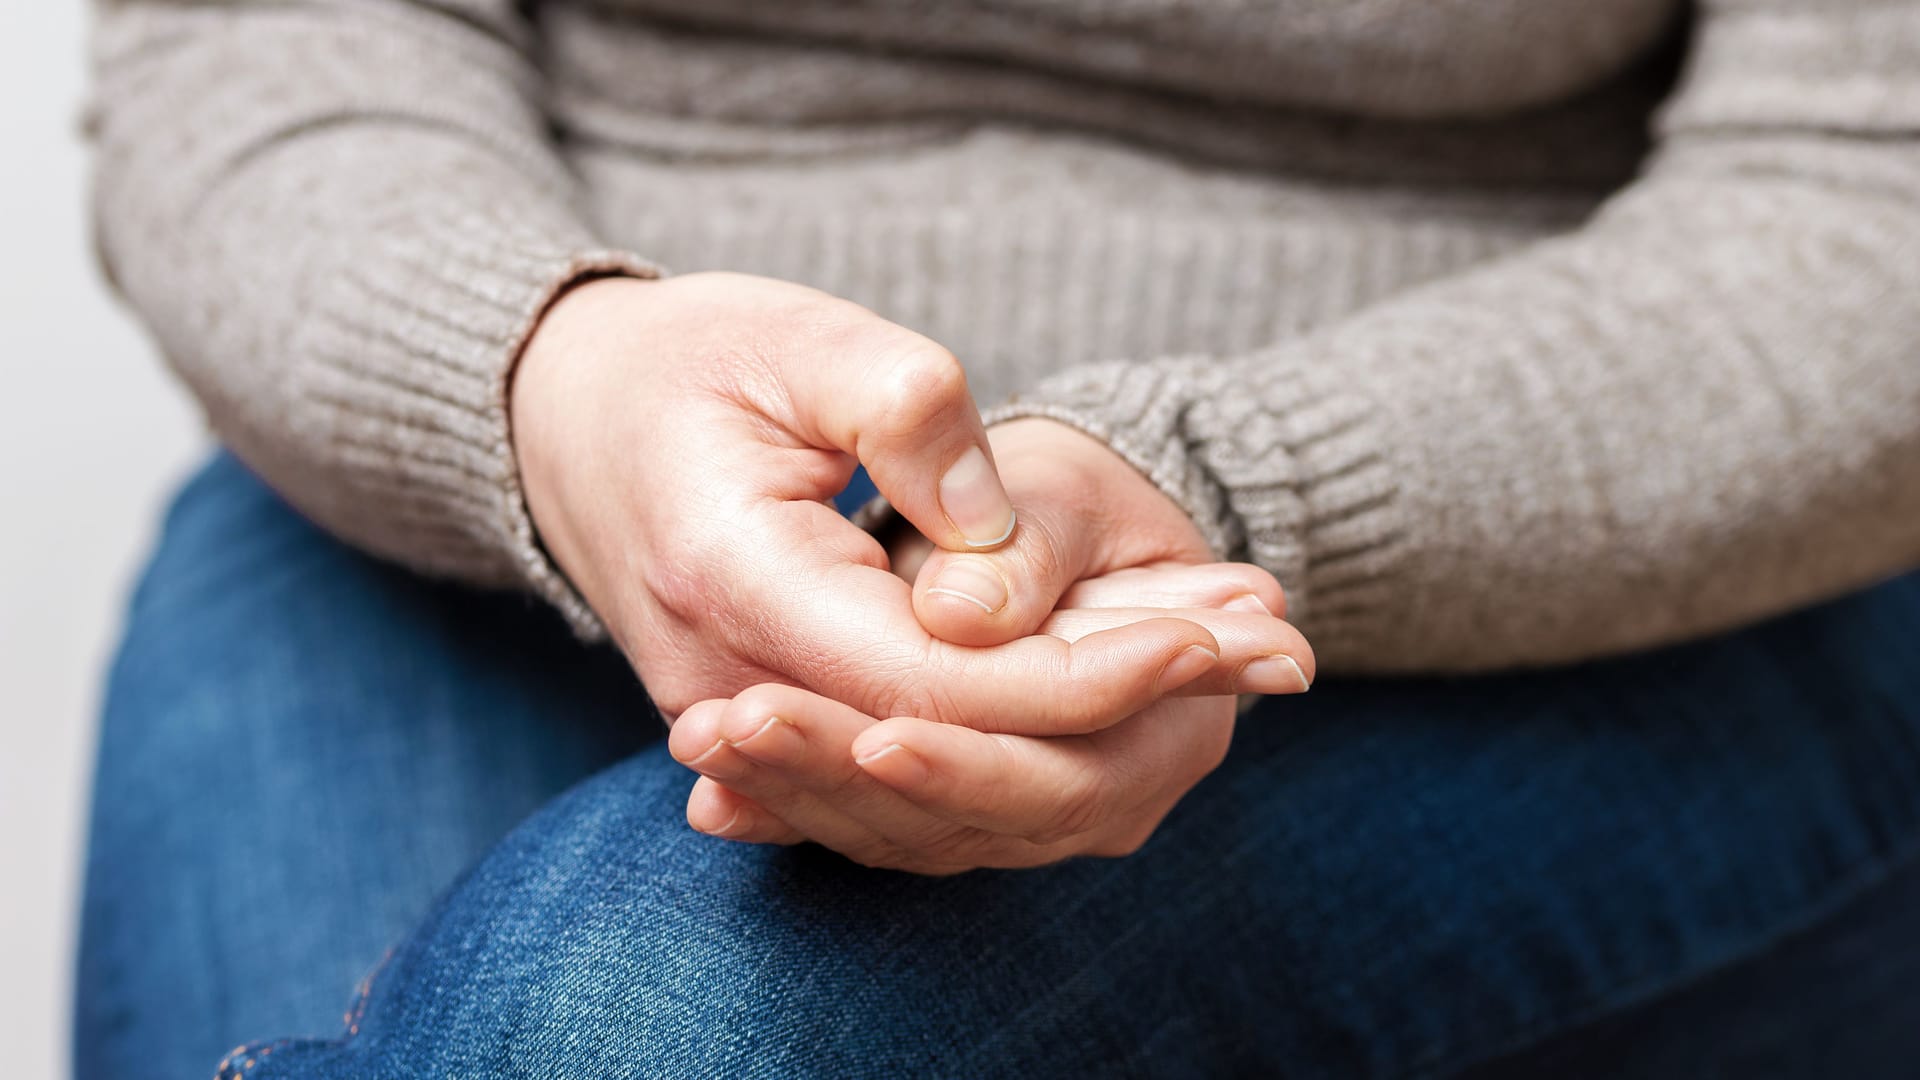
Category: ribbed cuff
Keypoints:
(415, 350)
(1273, 465)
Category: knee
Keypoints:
(603, 937)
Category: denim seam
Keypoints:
(248, 1055)
(241, 1060)
(1851, 885)
(358, 1010)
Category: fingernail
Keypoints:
(972, 580)
(774, 741)
(1248, 603)
(1193, 662)
(713, 763)
(972, 498)
(1277, 674)
(894, 765)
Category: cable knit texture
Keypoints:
(1505, 332)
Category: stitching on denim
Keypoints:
(358, 1010)
(243, 1058)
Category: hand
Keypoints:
(678, 441)
(1086, 513)
(780, 765)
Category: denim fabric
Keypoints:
(1404, 878)
(301, 748)
(1836, 1000)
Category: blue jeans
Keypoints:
(314, 767)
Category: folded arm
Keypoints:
(1700, 409)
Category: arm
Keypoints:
(1700, 409)
(341, 219)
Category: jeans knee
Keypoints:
(604, 937)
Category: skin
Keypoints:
(678, 443)
(781, 765)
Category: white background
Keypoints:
(92, 435)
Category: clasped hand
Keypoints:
(1039, 669)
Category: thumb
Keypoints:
(1083, 510)
(899, 403)
(981, 599)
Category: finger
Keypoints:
(849, 633)
(1259, 654)
(1046, 791)
(989, 599)
(717, 811)
(1225, 586)
(1081, 509)
(1045, 685)
(695, 730)
(742, 744)
(1043, 790)
(807, 743)
(799, 742)
(899, 403)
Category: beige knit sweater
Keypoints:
(1502, 331)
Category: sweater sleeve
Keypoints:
(341, 219)
(1699, 409)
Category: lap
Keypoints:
(1404, 878)
(1385, 878)
(300, 748)
(1838, 997)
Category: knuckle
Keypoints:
(922, 385)
(822, 321)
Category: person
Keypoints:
(1556, 359)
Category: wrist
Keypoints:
(554, 406)
(579, 325)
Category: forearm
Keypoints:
(1701, 409)
(341, 221)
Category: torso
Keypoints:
(1010, 176)
(1368, 57)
